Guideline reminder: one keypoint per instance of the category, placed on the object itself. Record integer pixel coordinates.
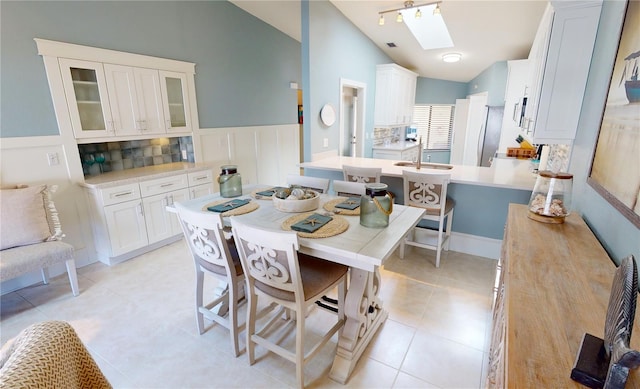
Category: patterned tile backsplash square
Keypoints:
(134, 154)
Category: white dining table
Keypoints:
(361, 248)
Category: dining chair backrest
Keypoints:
(270, 260)
(348, 189)
(429, 191)
(361, 174)
(318, 184)
(205, 239)
(426, 190)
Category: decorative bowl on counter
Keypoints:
(296, 200)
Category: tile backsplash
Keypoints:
(383, 136)
(134, 154)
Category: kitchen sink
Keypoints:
(424, 165)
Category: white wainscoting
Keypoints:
(263, 154)
(25, 161)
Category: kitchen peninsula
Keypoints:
(482, 194)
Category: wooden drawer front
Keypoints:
(163, 185)
(201, 177)
(119, 194)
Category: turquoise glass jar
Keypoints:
(376, 206)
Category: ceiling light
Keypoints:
(409, 5)
(451, 57)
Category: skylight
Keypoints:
(430, 30)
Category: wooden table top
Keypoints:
(557, 286)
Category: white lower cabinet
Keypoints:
(162, 224)
(125, 224)
(131, 219)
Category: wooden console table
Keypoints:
(554, 282)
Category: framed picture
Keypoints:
(615, 170)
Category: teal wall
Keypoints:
(492, 80)
(616, 233)
(243, 65)
(434, 91)
(336, 49)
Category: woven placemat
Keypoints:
(249, 207)
(331, 207)
(336, 226)
(256, 196)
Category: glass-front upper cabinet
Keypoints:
(176, 101)
(86, 92)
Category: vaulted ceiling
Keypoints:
(483, 31)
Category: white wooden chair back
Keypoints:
(365, 175)
(205, 239)
(320, 185)
(426, 190)
(348, 189)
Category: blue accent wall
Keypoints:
(492, 80)
(434, 91)
(337, 49)
(243, 65)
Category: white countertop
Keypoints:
(127, 176)
(397, 146)
(508, 173)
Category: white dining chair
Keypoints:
(361, 174)
(348, 189)
(429, 191)
(318, 184)
(217, 256)
(293, 282)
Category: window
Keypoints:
(434, 124)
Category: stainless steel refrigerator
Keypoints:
(489, 138)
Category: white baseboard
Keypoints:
(475, 245)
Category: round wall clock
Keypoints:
(328, 114)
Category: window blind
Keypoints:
(434, 123)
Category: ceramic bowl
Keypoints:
(285, 205)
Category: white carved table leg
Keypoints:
(364, 314)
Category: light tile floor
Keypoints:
(137, 320)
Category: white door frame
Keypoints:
(360, 115)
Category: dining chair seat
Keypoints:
(291, 282)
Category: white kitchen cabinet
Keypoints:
(108, 95)
(518, 72)
(200, 183)
(126, 227)
(132, 218)
(561, 56)
(175, 97)
(87, 101)
(162, 224)
(136, 100)
(408, 153)
(395, 96)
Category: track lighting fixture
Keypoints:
(409, 5)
